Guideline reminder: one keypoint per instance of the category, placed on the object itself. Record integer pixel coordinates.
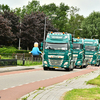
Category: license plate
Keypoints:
(55, 67)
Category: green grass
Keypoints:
(41, 88)
(29, 63)
(4, 57)
(95, 81)
(85, 94)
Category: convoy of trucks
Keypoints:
(61, 50)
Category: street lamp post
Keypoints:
(93, 35)
(75, 30)
(45, 30)
(45, 34)
(19, 37)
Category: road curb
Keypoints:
(18, 68)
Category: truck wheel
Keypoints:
(51, 68)
(45, 68)
(72, 69)
(67, 69)
(97, 65)
(85, 66)
(81, 67)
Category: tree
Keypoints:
(91, 25)
(5, 31)
(74, 23)
(32, 6)
(18, 11)
(4, 8)
(61, 19)
(14, 19)
(32, 29)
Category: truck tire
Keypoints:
(51, 68)
(45, 68)
(67, 69)
(81, 67)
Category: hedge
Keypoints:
(12, 50)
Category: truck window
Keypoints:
(99, 49)
(56, 46)
(77, 46)
(90, 48)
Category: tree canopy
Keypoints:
(91, 25)
(32, 28)
(28, 22)
(5, 31)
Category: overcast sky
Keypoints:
(86, 6)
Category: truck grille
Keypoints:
(88, 56)
(55, 62)
(75, 59)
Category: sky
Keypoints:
(86, 6)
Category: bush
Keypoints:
(8, 50)
(12, 50)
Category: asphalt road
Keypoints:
(14, 85)
(18, 79)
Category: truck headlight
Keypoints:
(79, 62)
(45, 62)
(93, 61)
(65, 63)
(48, 36)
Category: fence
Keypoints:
(8, 62)
(21, 58)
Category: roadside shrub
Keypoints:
(8, 50)
(12, 50)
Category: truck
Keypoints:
(78, 53)
(99, 55)
(58, 51)
(91, 51)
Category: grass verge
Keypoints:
(85, 94)
(29, 63)
(95, 81)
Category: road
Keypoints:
(18, 83)
(18, 79)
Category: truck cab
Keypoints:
(58, 50)
(78, 53)
(91, 51)
(99, 55)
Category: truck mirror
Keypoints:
(41, 48)
(71, 45)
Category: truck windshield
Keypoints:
(77, 46)
(56, 46)
(90, 48)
